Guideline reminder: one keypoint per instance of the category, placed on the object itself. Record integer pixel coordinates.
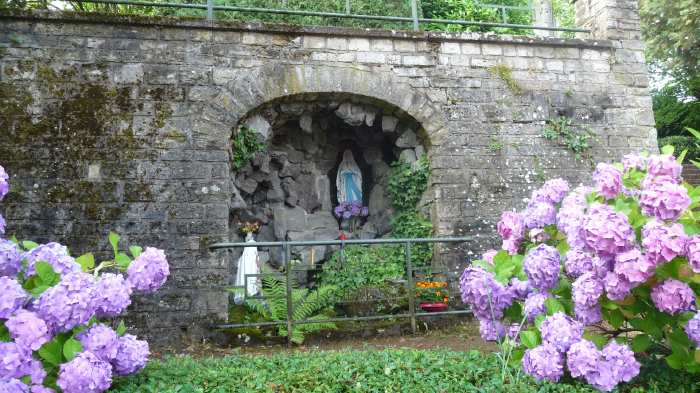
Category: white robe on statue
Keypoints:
(247, 264)
(349, 180)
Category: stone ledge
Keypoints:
(201, 24)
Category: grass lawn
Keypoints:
(389, 370)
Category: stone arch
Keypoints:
(249, 89)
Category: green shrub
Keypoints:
(411, 225)
(245, 145)
(680, 143)
(391, 370)
(311, 305)
(407, 183)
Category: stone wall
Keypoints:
(125, 124)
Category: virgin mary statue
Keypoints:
(349, 180)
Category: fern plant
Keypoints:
(307, 305)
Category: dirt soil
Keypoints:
(461, 336)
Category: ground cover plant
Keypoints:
(594, 280)
(51, 304)
(391, 370)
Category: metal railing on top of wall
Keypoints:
(415, 19)
(290, 271)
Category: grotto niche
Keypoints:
(290, 187)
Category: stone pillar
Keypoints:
(609, 19)
(544, 16)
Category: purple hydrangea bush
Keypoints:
(597, 276)
(51, 339)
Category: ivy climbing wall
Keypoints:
(125, 124)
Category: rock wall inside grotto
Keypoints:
(291, 186)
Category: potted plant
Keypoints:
(433, 295)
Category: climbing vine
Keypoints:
(407, 183)
(245, 145)
(577, 139)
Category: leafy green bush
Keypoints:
(363, 267)
(407, 183)
(306, 305)
(245, 145)
(672, 113)
(680, 143)
(391, 370)
(411, 225)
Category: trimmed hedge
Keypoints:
(391, 370)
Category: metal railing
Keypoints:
(290, 272)
(415, 18)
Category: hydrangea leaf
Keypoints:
(598, 339)
(52, 351)
(641, 343)
(4, 334)
(29, 245)
(121, 328)
(135, 251)
(668, 150)
(114, 241)
(86, 261)
(71, 348)
(615, 318)
(46, 273)
(529, 338)
(647, 326)
(553, 306)
(122, 260)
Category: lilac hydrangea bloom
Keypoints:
(663, 243)
(13, 385)
(86, 373)
(538, 235)
(540, 215)
(621, 359)
(488, 256)
(664, 165)
(579, 262)
(586, 290)
(35, 370)
(68, 304)
(692, 329)
(534, 305)
(491, 330)
(582, 358)
(552, 192)
(588, 315)
(635, 267)
(634, 161)
(131, 356)
(55, 255)
(606, 231)
(149, 271)
(511, 245)
(561, 331)
(486, 296)
(13, 297)
(608, 179)
(513, 332)
(42, 389)
(665, 201)
(4, 185)
(693, 253)
(15, 360)
(101, 341)
(10, 258)
(3, 223)
(543, 363)
(519, 289)
(673, 296)
(511, 226)
(113, 295)
(616, 286)
(541, 264)
(28, 330)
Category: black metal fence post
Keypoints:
(411, 287)
(290, 304)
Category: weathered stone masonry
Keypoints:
(124, 124)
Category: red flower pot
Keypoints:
(433, 307)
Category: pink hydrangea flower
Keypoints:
(86, 373)
(634, 161)
(635, 267)
(511, 226)
(664, 165)
(535, 305)
(540, 215)
(149, 271)
(552, 192)
(561, 331)
(673, 296)
(544, 363)
(607, 232)
(13, 297)
(486, 296)
(608, 179)
(662, 243)
(586, 290)
(579, 262)
(132, 355)
(665, 201)
(692, 329)
(4, 185)
(491, 330)
(588, 315)
(616, 286)
(693, 253)
(28, 330)
(488, 256)
(582, 358)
